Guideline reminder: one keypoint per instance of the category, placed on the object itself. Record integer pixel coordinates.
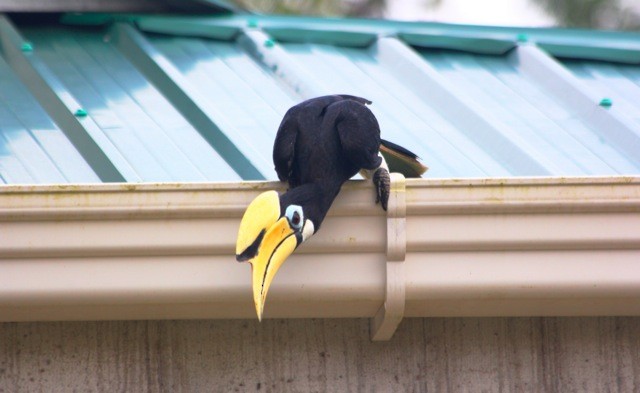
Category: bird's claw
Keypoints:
(382, 182)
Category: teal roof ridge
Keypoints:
(613, 46)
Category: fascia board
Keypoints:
(520, 246)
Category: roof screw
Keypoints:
(269, 43)
(80, 113)
(26, 47)
(253, 23)
(606, 102)
(522, 37)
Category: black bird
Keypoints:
(321, 143)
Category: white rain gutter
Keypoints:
(482, 247)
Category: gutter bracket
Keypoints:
(389, 315)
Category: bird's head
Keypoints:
(270, 231)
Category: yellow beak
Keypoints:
(265, 240)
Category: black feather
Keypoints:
(323, 142)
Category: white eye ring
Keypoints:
(295, 216)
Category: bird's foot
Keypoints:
(382, 182)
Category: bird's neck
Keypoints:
(315, 198)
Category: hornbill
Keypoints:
(320, 144)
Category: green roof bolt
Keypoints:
(606, 102)
(269, 43)
(253, 23)
(522, 37)
(80, 113)
(26, 47)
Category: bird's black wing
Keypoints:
(359, 133)
(309, 114)
(284, 145)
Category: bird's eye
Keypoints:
(295, 216)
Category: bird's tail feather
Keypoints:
(400, 159)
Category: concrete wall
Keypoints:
(479, 354)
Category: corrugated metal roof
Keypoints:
(145, 136)
(200, 99)
(32, 148)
